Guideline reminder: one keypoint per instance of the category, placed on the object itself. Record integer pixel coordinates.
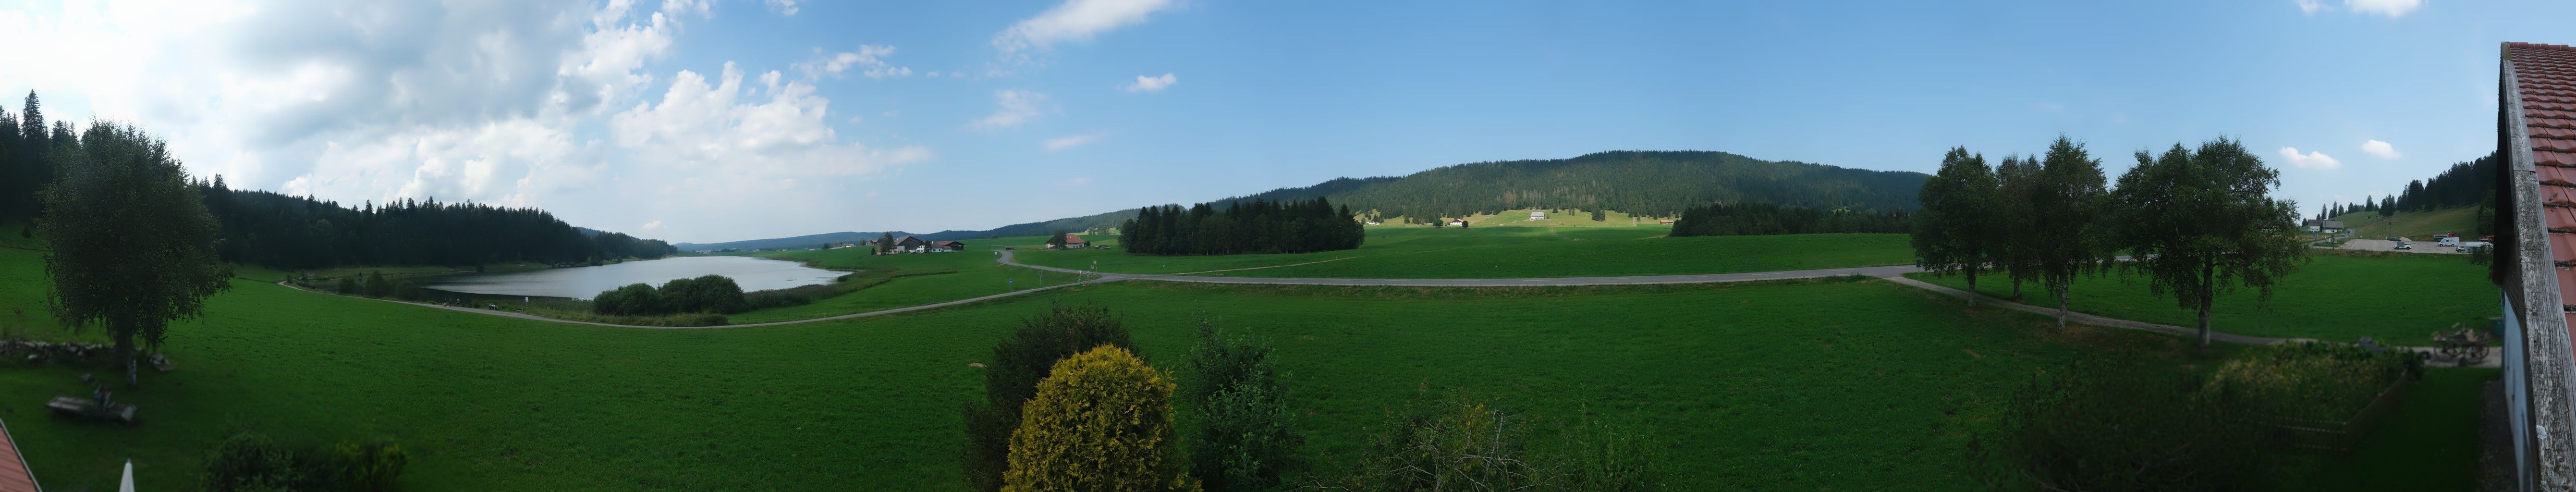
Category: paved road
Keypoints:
(2387, 245)
(1884, 271)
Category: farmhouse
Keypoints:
(1073, 242)
(1538, 215)
(2536, 258)
(947, 246)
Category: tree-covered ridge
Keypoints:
(1257, 226)
(1755, 219)
(282, 231)
(1637, 182)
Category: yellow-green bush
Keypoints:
(1101, 420)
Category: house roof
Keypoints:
(14, 476)
(905, 239)
(944, 243)
(1070, 239)
(2545, 83)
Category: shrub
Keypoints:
(2114, 425)
(1463, 444)
(368, 467)
(407, 290)
(250, 461)
(631, 300)
(1243, 440)
(2313, 380)
(348, 286)
(1019, 363)
(707, 294)
(376, 285)
(1101, 421)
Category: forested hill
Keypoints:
(1638, 182)
(286, 231)
(1659, 183)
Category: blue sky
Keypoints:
(719, 120)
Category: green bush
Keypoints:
(1102, 420)
(377, 286)
(348, 286)
(2115, 425)
(2313, 380)
(1243, 440)
(249, 461)
(712, 294)
(631, 300)
(1465, 444)
(368, 467)
(1012, 378)
(407, 290)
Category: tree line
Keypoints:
(1754, 219)
(283, 231)
(2196, 222)
(2465, 183)
(1637, 182)
(26, 141)
(1255, 226)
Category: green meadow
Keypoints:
(1841, 384)
(922, 278)
(2393, 298)
(1505, 252)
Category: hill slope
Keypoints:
(1659, 183)
(2420, 226)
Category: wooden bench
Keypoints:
(88, 408)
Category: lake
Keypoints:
(584, 282)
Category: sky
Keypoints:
(718, 120)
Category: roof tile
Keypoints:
(2560, 219)
(2566, 276)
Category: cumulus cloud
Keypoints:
(543, 103)
(1075, 20)
(656, 224)
(783, 7)
(2391, 8)
(2380, 149)
(2310, 160)
(869, 60)
(1151, 84)
(1017, 106)
(1061, 143)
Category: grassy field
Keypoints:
(1556, 218)
(973, 273)
(2420, 226)
(1501, 252)
(1834, 384)
(2398, 299)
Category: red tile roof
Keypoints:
(14, 476)
(2544, 81)
(1073, 239)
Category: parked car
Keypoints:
(2405, 246)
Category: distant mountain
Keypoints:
(798, 242)
(1657, 183)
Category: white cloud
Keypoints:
(1017, 106)
(1061, 143)
(656, 224)
(2311, 160)
(870, 59)
(1075, 20)
(1074, 183)
(783, 7)
(2390, 8)
(1151, 84)
(2380, 149)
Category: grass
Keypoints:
(2399, 299)
(1849, 385)
(2420, 226)
(1503, 252)
(972, 273)
(1556, 218)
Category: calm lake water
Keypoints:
(584, 282)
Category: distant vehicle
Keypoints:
(2462, 249)
(2405, 246)
(2451, 241)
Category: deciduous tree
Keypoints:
(2202, 223)
(1012, 378)
(133, 245)
(1956, 231)
(2066, 212)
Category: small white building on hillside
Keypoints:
(1538, 215)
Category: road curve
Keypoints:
(1879, 271)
